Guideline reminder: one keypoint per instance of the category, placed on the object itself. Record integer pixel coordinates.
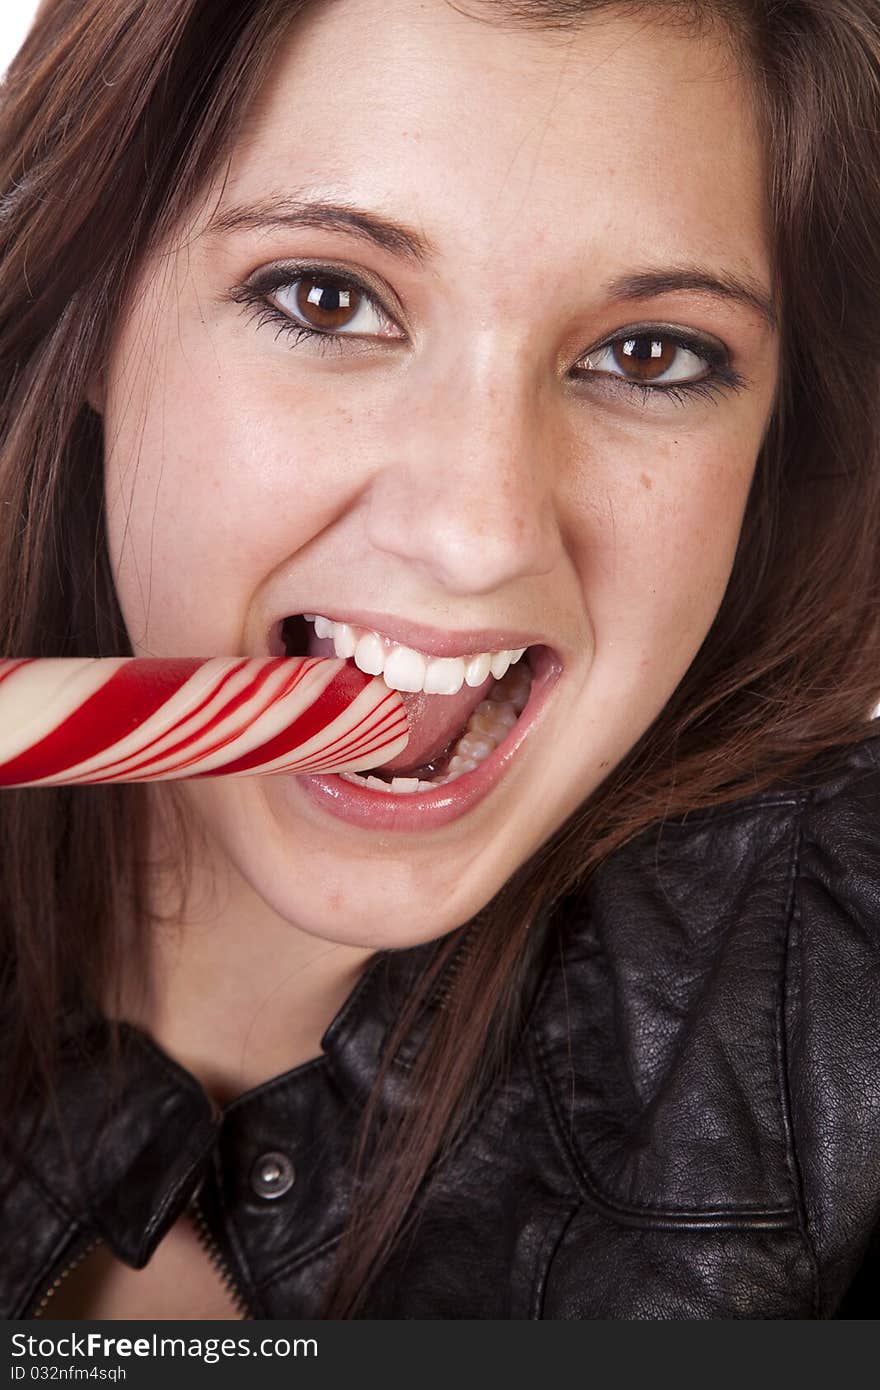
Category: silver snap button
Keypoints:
(272, 1175)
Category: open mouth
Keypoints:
(452, 734)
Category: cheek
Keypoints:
(660, 545)
(213, 476)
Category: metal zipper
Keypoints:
(217, 1258)
(206, 1240)
(39, 1309)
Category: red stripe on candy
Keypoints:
(126, 700)
(7, 667)
(380, 730)
(341, 691)
(247, 698)
(197, 732)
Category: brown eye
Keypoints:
(324, 303)
(645, 358)
(648, 358)
(329, 304)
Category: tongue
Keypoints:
(434, 720)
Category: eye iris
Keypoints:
(323, 303)
(645, 358)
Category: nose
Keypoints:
(468, 492)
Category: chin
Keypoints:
(349, 911)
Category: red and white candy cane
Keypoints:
(72, 720)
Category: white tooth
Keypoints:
(403, 785)
(377, 784)
(344, 639)
(404, 669)
(323, 626)
(444, 676)
(506, 715)
(426, 786)
(482, 723)
(309, 617)
(370, 654)
(515, 655)
(477, 669)
(500, 663)
(460, 765)
(501, 712)
(476, 745)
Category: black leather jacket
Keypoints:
(690, 1129)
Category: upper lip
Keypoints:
(431, 641)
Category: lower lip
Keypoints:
(415, 811)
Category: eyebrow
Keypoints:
(322, 215)
(646, 284)
(399, 239)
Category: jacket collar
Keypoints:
(132, 1133)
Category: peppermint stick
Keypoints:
(81, 720)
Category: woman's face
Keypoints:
(537, 424)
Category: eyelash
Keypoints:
(720, 379)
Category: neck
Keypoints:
(232, 992)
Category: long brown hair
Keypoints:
(113, 116)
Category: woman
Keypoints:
(462, 330)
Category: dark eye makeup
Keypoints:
(718, 379)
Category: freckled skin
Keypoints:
(460, 475)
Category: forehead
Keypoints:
(625, 136)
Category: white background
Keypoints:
(15, 20)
